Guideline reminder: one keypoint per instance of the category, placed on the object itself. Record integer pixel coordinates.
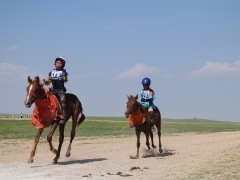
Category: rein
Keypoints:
(136, 107)
(35, 96)
(41, 97)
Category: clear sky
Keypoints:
(189, 48)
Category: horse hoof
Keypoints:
(30, 161)
(160, 150)
(68, 154)
(55, 161)
(134, 157)
(153, 146)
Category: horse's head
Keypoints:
(34, 91)
(132, 105)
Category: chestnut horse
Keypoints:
(133, 107)
(35, 94)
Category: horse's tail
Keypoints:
(81, 119)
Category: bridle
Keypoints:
(36, 97)
(136, 106)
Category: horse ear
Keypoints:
(136, 96)
(29, 80)
(37, 79)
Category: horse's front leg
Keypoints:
(138, 145)
(49, 137)
(37, 137)
(61, 138)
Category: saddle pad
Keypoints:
(136, 119)
(46, 111)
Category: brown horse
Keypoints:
(35, 94)
(133, 107)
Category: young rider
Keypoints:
(147, 96)
(57, 77)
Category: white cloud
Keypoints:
(139, 70)
(12, 48)
(13, 71)
(217, 68)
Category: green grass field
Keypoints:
(114, 126)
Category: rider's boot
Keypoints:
(151, 113)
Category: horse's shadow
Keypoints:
(82, 161)
(153, 153)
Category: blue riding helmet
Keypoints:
(146, 81)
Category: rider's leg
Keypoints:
(151, 113)
(62, 97)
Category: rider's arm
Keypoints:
(65, 76)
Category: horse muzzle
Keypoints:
(127, 114)
(27, 104)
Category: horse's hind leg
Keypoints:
(61, 138)
(49, 137)
(159, 137)
(75, 123)
(73, 132)
(147, 139)
(158, 124)
(151, 136)
(37, 137)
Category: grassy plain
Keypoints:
(115, 126)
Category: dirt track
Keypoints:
(186, 156)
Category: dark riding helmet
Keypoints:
(61, 59)
(146, 81)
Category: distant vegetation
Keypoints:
(114, 126)
(15, 116)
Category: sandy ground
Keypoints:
(186, 156)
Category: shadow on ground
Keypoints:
(82, 161)
(155, 153)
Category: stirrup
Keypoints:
(62, 121)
